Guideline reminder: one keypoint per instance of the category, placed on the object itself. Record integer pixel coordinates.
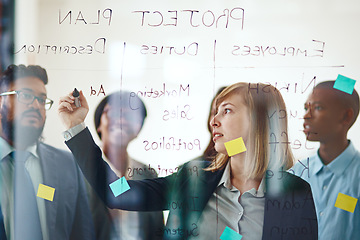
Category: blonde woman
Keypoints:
(249, 192)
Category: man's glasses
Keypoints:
(28, 98)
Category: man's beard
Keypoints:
(19, 136)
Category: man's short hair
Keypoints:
(347, 100)
(14, 72)
(120, 100)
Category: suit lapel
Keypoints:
(208, 182)
(50, 166)
(202, 187)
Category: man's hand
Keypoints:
(71, 115)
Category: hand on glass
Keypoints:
(69, 114)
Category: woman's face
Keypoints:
(230, 122)
(212, 114)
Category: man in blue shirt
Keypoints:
(335, 169)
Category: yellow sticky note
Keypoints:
(45, 192)
(346, 202)
(235, 146)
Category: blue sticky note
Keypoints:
(229, 234)
(119, 186)
(345, 84)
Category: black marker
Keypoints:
(76, 95)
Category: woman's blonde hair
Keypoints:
(265, 104)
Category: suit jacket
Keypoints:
(289, 211)
(68, 216)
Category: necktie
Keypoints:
(26, 215)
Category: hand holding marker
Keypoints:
(76, 95)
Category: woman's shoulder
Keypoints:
(197, 162)
(197, 167)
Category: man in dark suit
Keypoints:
(60, 208)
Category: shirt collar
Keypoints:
(33, 150)
(225, 180)
(339, 164)
(5, 149)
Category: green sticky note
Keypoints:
(235, 146)
(119, 186)
(46, 192)
(344, 84)
(229, 234)
(346, 202)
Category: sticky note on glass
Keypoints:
(344, 84)
(229, 234)
(119, 186)
(45, 192)
(235, 146)
(346, 202)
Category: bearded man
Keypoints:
(43, 195)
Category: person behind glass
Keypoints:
(250, 192)
(329, 114)
(118, 119)
(26, 162)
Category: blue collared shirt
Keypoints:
(342, 175)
